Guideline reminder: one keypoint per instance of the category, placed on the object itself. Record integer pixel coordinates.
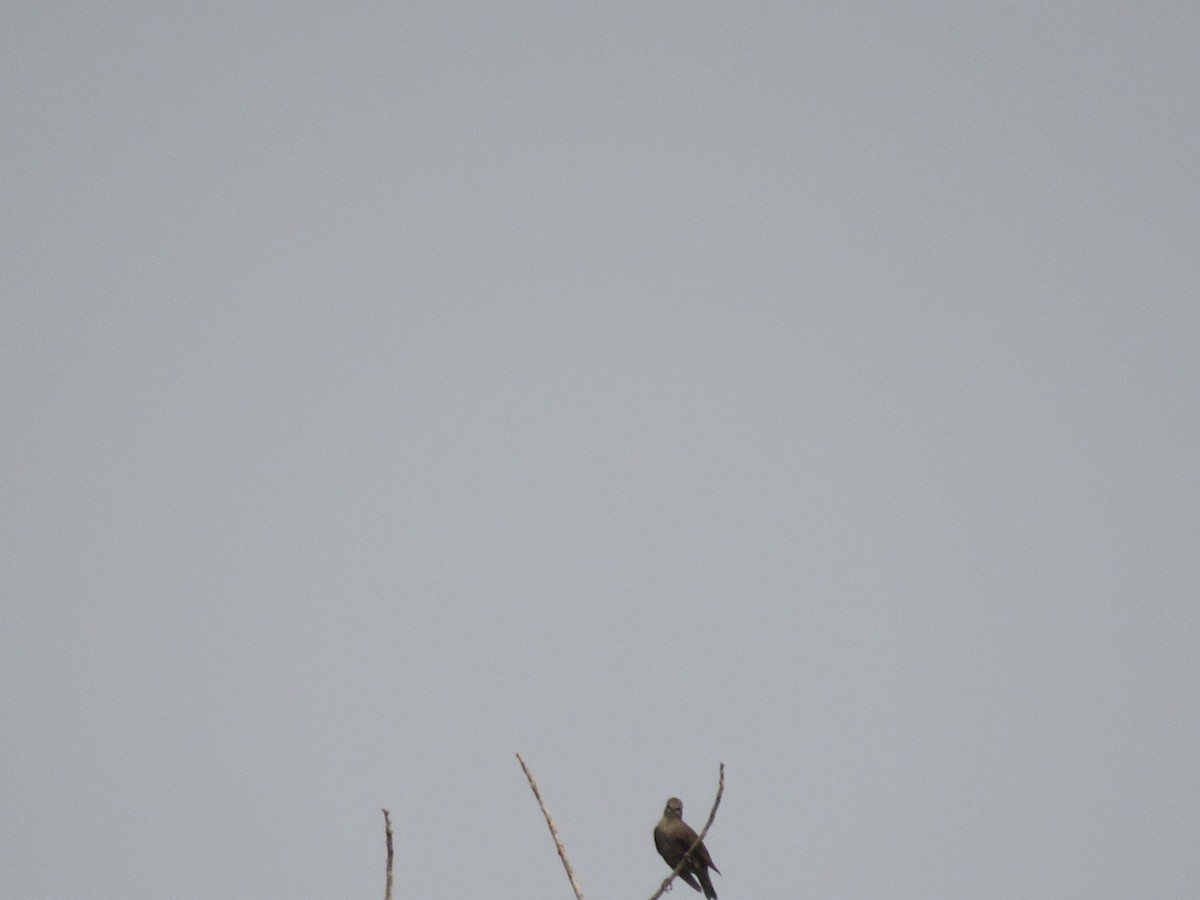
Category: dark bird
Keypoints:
(673, 837)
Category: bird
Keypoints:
(673, 837)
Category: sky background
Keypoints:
(390, 388)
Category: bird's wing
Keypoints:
(665, 846)
(702, 855)
(690, 879)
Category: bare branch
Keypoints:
(666, 885)
(387, 827)
(562, 851)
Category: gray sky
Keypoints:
(812, 388)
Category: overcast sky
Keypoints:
(389, 388)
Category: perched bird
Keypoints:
(673, 837)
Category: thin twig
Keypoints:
(666, 885)
(562, 851)
(387, 828)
